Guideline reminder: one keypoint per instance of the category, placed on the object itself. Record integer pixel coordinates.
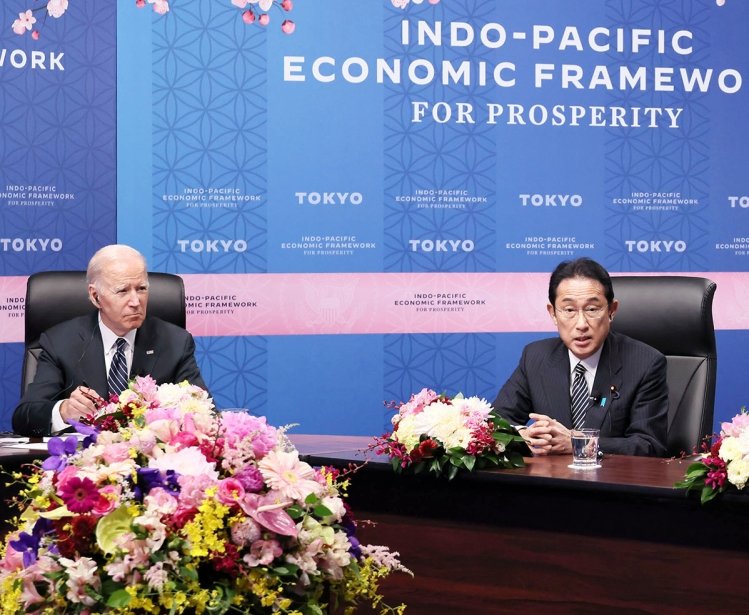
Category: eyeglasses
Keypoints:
(591, 312)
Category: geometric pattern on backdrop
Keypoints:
(11, 356)
(209, 141)
(235, 369)
(431, 227)
(57, 138)
(646, 160)
(447, 363)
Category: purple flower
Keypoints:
(86, 430)
(28, 544)
(59, 451)
(251, 479)
(150, 478)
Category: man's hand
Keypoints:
(82, 402)
(547, 436)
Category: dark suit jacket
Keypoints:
(73, 354)
(633, 420)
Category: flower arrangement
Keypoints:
(168, 506)
(258, 12)
(444, 435)
(725, 464)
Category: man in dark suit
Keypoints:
(625, 394)
(77, 355)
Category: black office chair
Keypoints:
(55, 296)
(674, 314)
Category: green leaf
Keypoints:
(396, 463)
(708, 493)
(287, 570)
(469, 461)
(311, 499)
(188, 573)
(295, 511)
(118, 599)
(322, 511)
(452, 472)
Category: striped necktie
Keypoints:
(579, 397)
(117, 380)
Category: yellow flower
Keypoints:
(206, 531)
(10, 596)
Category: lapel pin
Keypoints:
(149, 351)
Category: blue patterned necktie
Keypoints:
(579, 397)
(117, 380)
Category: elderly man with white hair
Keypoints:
(91, 357)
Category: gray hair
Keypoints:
(109, 254)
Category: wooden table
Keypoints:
(550, 539)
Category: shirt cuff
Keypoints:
(57, 424)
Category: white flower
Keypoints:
(188, 462)
(438, 420)
(738, 472)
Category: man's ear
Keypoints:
(612, 309)
(93, 295)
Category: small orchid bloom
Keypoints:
(240, 4)
(59, 451)
(248, 17)
(288, 26)
(264, 19)
(287, 5)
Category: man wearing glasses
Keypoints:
(89, 358)
(589, 376)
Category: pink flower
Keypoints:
(145, 385)
(248, 17)
(265, 5)
(13, 560)
(230, 491)
(109, 496)
(268, 511)
(79, 494)
(288, 26)
(24, 22)
(140, 3)
(240, 426)
(285, 473)
(737, 426)
(119, 451)
(56, 8)
(244, 532)
(262, 553)
(240, 4)
(184, 439)
(264, 19)
(160, 6)
(81, 577)
(287, 5)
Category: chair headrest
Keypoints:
(55, 296)
(673, 314)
